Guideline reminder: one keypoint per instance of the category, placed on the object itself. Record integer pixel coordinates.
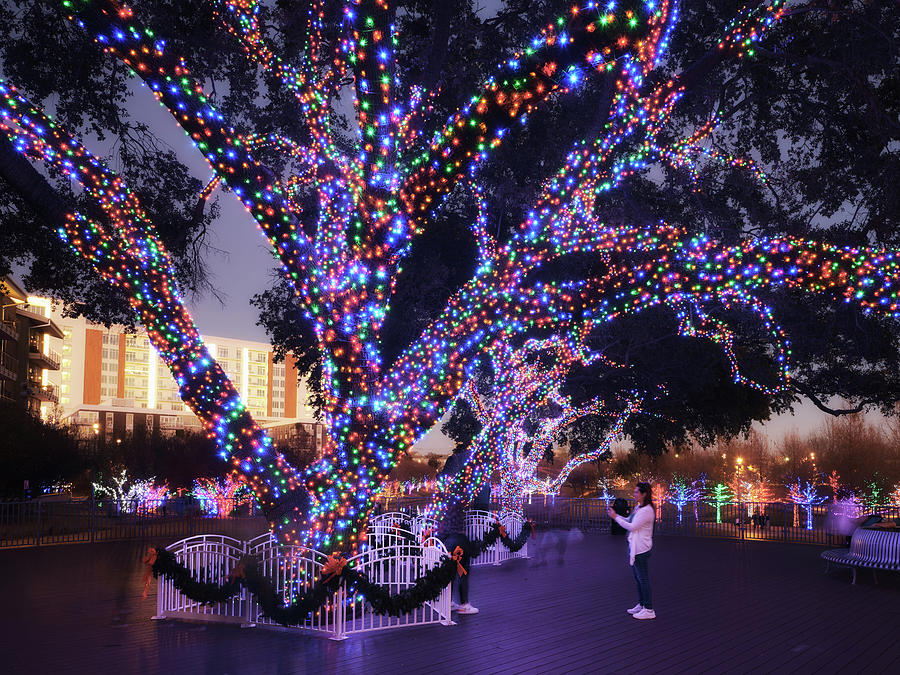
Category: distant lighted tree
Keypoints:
(759, 494)
(680, 493)
(834, 481)
(849, 506)
(741, 489)
(894, 498)
(720, 495)
(133, 495)
(660, 495)
(218, 497)
(873, 494)
(804, 493)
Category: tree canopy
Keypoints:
(547, 166)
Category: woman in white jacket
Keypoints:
(640, 540)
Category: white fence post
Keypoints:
(339, 614)
(247, 599)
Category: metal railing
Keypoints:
(822, 524)
(762, 521)
(45, 522)
(8, 329)
(39, 523)
(50, 357)
(9, 367)
(479, 523)
(44, 392)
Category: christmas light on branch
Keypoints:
(720, 495)
(681, 493)
(220, 496)
(525, 380)
(126, 252)
(805, 494)
(375, 198)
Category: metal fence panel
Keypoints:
(40, 523)
(762, 521)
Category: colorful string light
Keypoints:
(372, 202)
(805, 494)
(524, 380)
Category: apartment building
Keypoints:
(112, 383)
(28, 357)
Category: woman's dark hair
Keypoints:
(647, 494)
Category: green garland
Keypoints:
(515, 545)
(302, 605)
(204, 592)
(425, 589)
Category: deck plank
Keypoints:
(723, 606)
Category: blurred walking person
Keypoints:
(452, 531)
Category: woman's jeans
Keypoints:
(461, 582)
(642, 579)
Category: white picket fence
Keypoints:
(393, 557)
(214, 556)
(419, 525)
(399, 549)
(479, 523)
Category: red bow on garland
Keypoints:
(334, 566)
(457, 556)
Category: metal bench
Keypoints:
(871, 548)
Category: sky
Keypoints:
(241, 266)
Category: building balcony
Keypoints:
(48, 361)
(38, 322)
(9, 366)
(8, 331)
(46, 393)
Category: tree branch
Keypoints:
(442, 12)
(521, 84)
(31, 186)
(116, 29)
(837, 412)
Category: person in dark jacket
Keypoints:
(482, 500)
(452, 531)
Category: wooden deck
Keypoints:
(723, 606)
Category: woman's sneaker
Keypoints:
(454, 607)
(645, 614)
(467, 609)
(634, 610)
